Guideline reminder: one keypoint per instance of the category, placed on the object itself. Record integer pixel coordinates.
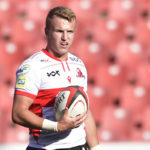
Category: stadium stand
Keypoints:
(116, 128)
(113, 39)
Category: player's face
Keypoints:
(60, 37)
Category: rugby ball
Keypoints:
(72, 97)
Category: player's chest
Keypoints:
(59, 75)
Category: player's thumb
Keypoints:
(66, 111)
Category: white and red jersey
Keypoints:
(41, 77)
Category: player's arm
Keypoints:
(91, 133)
(23, 116)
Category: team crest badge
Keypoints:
(79, 73)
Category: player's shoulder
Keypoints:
(32, 62)
(33, 59)
(74, 58)
(37, 59)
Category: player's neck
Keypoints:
(60, 57)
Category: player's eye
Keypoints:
(58, 30)
(70, 31)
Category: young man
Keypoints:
(40, 78)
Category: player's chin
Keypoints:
(63, 51)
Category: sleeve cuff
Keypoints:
(97, 147)
(25, 94)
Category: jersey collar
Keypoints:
(51, 56)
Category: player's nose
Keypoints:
(64, 36)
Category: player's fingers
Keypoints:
(81, 117)
(78, 123)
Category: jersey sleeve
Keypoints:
(28, 79)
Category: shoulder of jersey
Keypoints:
(34, 61)
(74, 58)
(38, 58)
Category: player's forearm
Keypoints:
(22, 115)
(92, 138)
(30, 120)
(27, 118)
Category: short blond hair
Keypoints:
(62, 12)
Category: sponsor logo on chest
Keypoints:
(53, 73)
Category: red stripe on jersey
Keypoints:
(76, 64)
(52, 56)
(63, 66)
(67, 65)
(46, 97)
(25, 94)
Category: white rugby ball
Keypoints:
(72, 97)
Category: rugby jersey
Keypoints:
(41, 77)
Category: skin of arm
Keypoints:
(91, 133)
(23, 116)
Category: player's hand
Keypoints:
(67, 122)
